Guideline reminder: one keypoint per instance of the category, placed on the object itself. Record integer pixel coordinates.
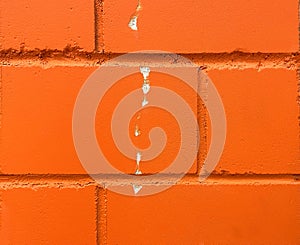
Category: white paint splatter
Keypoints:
(145, 102)
(138, 160)
(146, 88)
(136, 188)
(134, 18)
(133, 23)
(145, 70)
(138, 172)
(137, 132)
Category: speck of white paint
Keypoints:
(145, 102)
(146, 88)
(137, 188)
(138, 172)
(138, 159)
(137, 132)
(145, 70)
(133, 23)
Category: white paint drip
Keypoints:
(133, 23)
(138, 172)
(145, 102)
(146, 88)
(134, 18)
(145, 70)
(137, 132)
(138, 160)
(136, 188)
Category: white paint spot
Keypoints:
(146, 88)
(145, 70)
(133, 23)
(138, 172)
(137, 132)
(136, 188)
(133, 20)
(138, 159)
(145, 102)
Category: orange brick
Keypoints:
(146, 119)
(37, 119)
(47, 24)
(37, 123)
(218, 214)
(48, 216)
(202, 26)
(38, 106)
(262, 120)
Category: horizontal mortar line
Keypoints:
(82, 180)
(209, 61)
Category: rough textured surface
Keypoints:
(202, 26)
(37, 126)
(36, 132)
(258, 107)
(262, 120)
(249, 49)
(206, 215)
(48, 216)
(46, 24)
(73, 56)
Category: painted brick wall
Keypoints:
(249, 49)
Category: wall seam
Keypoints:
(97, 214)
(99, 25)
(102, 215)
(96, 34)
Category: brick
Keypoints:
(199, 214)
(262, 120)
(38, 104)
(48, 216)
(37, 111)
(146, 120)
(51, 24)
(201, 26)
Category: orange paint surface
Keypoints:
(51, 216)
(145, 119)
(37, 126)
(37, 108)
(47, 24)
(206, 215)
(202, 26)
(59, 204)
(262, 121)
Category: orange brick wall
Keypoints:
(249, 49)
